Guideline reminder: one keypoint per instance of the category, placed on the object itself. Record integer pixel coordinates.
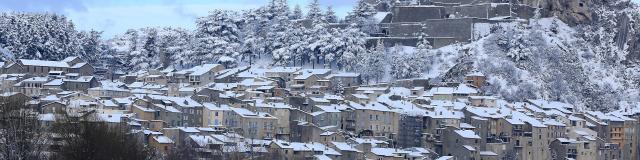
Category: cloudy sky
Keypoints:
(116, 16)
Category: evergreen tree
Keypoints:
(405, 64)
(362, 15)
(278, 39)
(320, 41)
(314, 13)
(91, 45)
(40, 36)
(217, 38)
(372, 63)
(253, 31)
(298, 43)
(297, 13)
(353, 43)
(175, 47)
(331, 15)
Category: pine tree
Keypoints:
(353, 43)
(320, 42)
(406, 65)
(331, 15)
(362, 10)
(278, 40)
(297, 13)
(314, 13)
(254, 31)
(298, 42)
(217, 38)
(145, 56)
(362, 15)
(39, 36)
(372, 63)
(175, 47)
(91, 45)
(320, 38)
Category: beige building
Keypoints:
(281, 111)
(257, 125)
(375, 119)
(68, 65)
(213, 115)
(203, 74)
(31, 86)
(161, 143)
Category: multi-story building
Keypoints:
(251, 124)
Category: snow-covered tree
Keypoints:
(217, 38)
(149, 48)
(278, 37)
(314, 12)
(175, 47)
(91, 44)
(331, 15)
(279, 7)
(321, 43)
(406, 65)
(298, 44)
(372, 63)
(362, 15)
(352, 42)
(297, 13)
(423, 44)
(256, 25)
(40, 36)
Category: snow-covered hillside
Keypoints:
(542, 59)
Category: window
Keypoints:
(216, 114)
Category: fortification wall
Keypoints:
(487, 10)
(436, 42)
(459, 29)
(404, 14)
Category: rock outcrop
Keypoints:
(571, 12)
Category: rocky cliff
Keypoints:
(571, 12)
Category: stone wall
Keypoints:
(436, 42)
(404, 14)
(462, 2)
(487, 10)
(523, 11)
(459, 29)
(403, 29)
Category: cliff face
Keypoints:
(571, 12)
(599, 13)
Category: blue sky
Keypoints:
(116, 16)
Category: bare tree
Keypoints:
(88, 137)
(184, 151)
(21, 136)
